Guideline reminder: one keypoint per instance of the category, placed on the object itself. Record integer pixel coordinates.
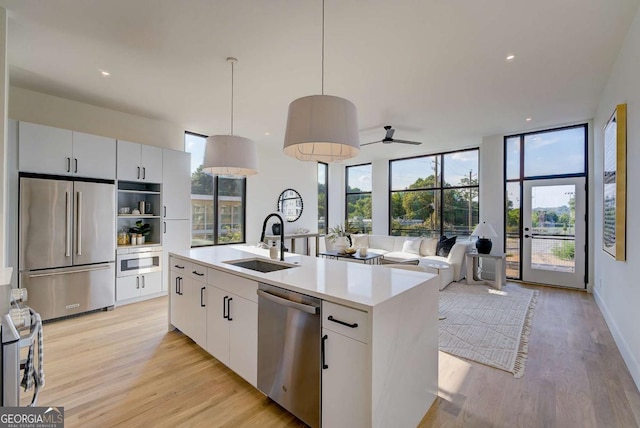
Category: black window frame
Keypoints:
(215, 187)
(522, 178)
(348, 227)
(441, 188)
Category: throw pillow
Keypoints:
(412, 245)
(444, 246)
(360, 241)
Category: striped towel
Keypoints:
(30, 376)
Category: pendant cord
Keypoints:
(231, 97)
(322, 47)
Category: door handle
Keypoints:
(138, 176)
(68, 164)
(137, 282)
(202, 297)
(177, 292)
(144, 173)
(224, 307)
(180, 285)
(229, 308)
(286, 302)
(67, 243)
(324, 362)
(354, 325)
(79, 225)
(75, 163)
(67, 272)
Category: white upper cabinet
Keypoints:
(48, 150)
(176, 185)
(138, 162)
(94, 156)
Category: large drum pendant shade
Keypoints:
(322, 128)
(230, 155)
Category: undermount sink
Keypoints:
(260, 265)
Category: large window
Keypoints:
(434, 195)
(358, 198)
(323, 197)
(217, 202)
(549, 221)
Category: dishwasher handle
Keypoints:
(288, 303)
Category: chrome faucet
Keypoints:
(264, 227)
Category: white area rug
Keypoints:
(487, 325)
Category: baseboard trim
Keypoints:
(628, 357)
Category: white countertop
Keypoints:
(350, 283)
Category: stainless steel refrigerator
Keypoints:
(67, 245)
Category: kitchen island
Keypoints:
(381, 362)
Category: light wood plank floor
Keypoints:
(122, 368)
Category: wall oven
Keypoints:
(139, 262)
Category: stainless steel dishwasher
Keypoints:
(289, 328)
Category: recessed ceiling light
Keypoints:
(528, 119)
(510, 58)
(105, 73)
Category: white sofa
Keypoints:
(420, 250)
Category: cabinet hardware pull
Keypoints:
(68, 164)
(526, 236)
(202, 297)
(324, 340)
(354, 325)
(165, 211)
(224, 307)
(165, 226)
(229, 308)
(198, 273)
(137, 282)
(138, 176)
(177, 285)
(180, 282)
(144, 173)
(142, 281)
(75, 163)
(178, 266)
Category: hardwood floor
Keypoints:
(123, 368)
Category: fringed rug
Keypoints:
(487, 325)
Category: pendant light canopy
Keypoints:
(322, 128)
(230, 154)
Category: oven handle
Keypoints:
(39, 275)
(291, 304)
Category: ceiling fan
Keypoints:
(388, 138)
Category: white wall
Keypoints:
(36, 107)
(278, 172)
(617, 287)
(4, 86)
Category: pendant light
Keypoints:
(230, 154)
(322, 128)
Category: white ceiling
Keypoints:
(434, 69)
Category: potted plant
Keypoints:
(339, 237)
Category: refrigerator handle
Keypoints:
(67, 243)
(79, 225)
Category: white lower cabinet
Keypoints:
(130, 287)
(346, 370)
(188, 301)
(232, 332)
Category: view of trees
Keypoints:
(416, 210)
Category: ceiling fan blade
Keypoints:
(373, 142)
(415, 143)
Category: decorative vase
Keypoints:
(275, 228)
(341, 244)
